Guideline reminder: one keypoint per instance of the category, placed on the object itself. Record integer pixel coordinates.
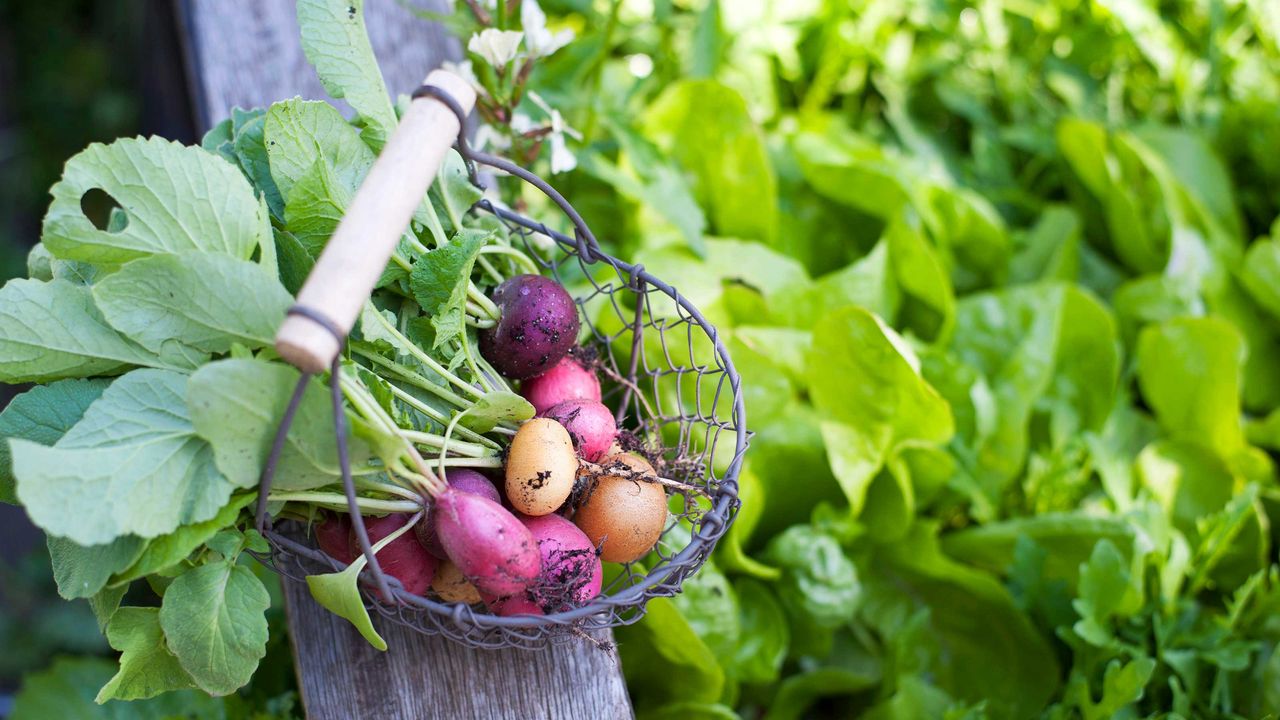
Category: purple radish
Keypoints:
(570, 379)
(539, 325)
(463, 480)
(590, 425)
(404, 559)
(494, 551)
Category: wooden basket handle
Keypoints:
(345, 273)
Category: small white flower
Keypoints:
(562, 159)
(539, 41)
(497, 47)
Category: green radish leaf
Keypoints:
(82, 572)
(339, 593)
(133, 464)
(237, 405)
(300, 132)
(206, 302)
(52, 330)
(219, 140)
(251, 152)
(105, 603)
(67, 688)
(497, 407)
(176, 198)
(453, 193)
(168, 550)
(147, 668)
(334, 39)
(316, 205)
(439, 283)
(39, 263)
(294, 261)
(42, 414)
(214, 622)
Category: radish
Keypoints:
(623, 515)
(539, 325)
(464, 480)
(494, 551)
(570, 379)
(333, 535)
(571, 571)
(541, 467)
(590, 425)
(452, 586)
(404, 559)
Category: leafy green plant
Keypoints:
(998, 281)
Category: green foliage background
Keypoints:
(1001, 278)
(1003, 281)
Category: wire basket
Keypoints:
(675, 390)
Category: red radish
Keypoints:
(333, 534)
(571, 571)
(570, 379)
(494, 551)
(464, 480)
(590, 425)
(404, 558)
(539, 324)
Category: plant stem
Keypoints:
(487, 462)
(426, 359)
(438, 416)
(340, 501)
(471, 363)
(521, 259)
(413, 378)
(457, 447)
(488, 266)
(390, 488)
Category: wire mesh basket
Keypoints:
(677, 398)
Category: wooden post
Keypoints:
(247, 53)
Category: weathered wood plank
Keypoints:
(246, 53)
(432, 677)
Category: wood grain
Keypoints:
(247, 53)
(432, 677)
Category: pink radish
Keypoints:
(571, 571)
(590, 425)
(570, 379)
(461, 479)
(494, 551)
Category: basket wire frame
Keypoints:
(670, 376)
